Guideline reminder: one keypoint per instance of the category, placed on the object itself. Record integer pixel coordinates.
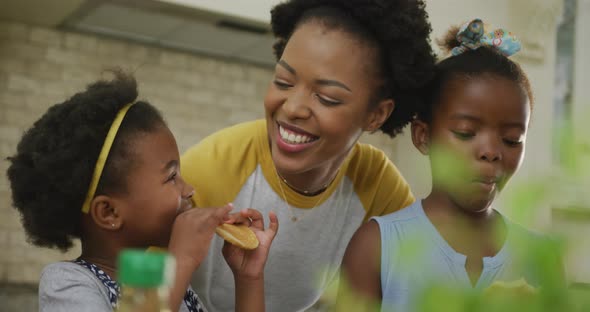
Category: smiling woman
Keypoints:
(343, 68)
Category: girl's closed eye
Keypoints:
(463, 135)
(513, 142)
(513, 137)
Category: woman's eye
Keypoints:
(463, 135)
(281, 85)
(326, 101)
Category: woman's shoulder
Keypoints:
(220, 164)
(379, 184)
(369, 161)
(238, 143)
(364, 152)
(238, 134)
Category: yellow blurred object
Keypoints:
(517, 288)
(156, 249)
(238, 235)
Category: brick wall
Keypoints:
(40, 67)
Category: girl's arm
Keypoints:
(184, 271)
(249, 294)
(189, 243)
(360, 276)
(248, 265)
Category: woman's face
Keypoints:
(317, 104)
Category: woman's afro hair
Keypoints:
(399, 29)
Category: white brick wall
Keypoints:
(40, 67)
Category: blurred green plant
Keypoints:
(565, 185)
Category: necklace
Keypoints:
(305, 192)
(294, 218)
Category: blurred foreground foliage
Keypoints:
(565, 185)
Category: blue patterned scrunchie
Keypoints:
(473, 35)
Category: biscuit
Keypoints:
(239, 235)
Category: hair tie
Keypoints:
(473, 35)
(104, 154)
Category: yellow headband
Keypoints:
(102, 157)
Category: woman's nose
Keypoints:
(296, 106)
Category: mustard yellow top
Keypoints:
(235, 165)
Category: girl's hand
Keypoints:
(249, 264)
(192, 232)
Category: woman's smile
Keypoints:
(292, 139)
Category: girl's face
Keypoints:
(317, 104)
(481, 123)
(156, 191)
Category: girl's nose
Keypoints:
(187, 190)
(490, 150)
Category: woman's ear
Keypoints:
(105, 213)
(421, 136)
(379, 115)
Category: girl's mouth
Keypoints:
(185, 204)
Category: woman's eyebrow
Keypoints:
(333, 83)
(324, 82)
(287, 67)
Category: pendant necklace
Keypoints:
(295, 218)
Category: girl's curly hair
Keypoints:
(53, 165)
(471, 64)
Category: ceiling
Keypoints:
(164, 23)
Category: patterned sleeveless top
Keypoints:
(190, 298)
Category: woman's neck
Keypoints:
(315, 180)
(312, 182)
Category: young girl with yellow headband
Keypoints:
(103, 168)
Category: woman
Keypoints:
(344, 67)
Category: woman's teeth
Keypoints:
(294, 138)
